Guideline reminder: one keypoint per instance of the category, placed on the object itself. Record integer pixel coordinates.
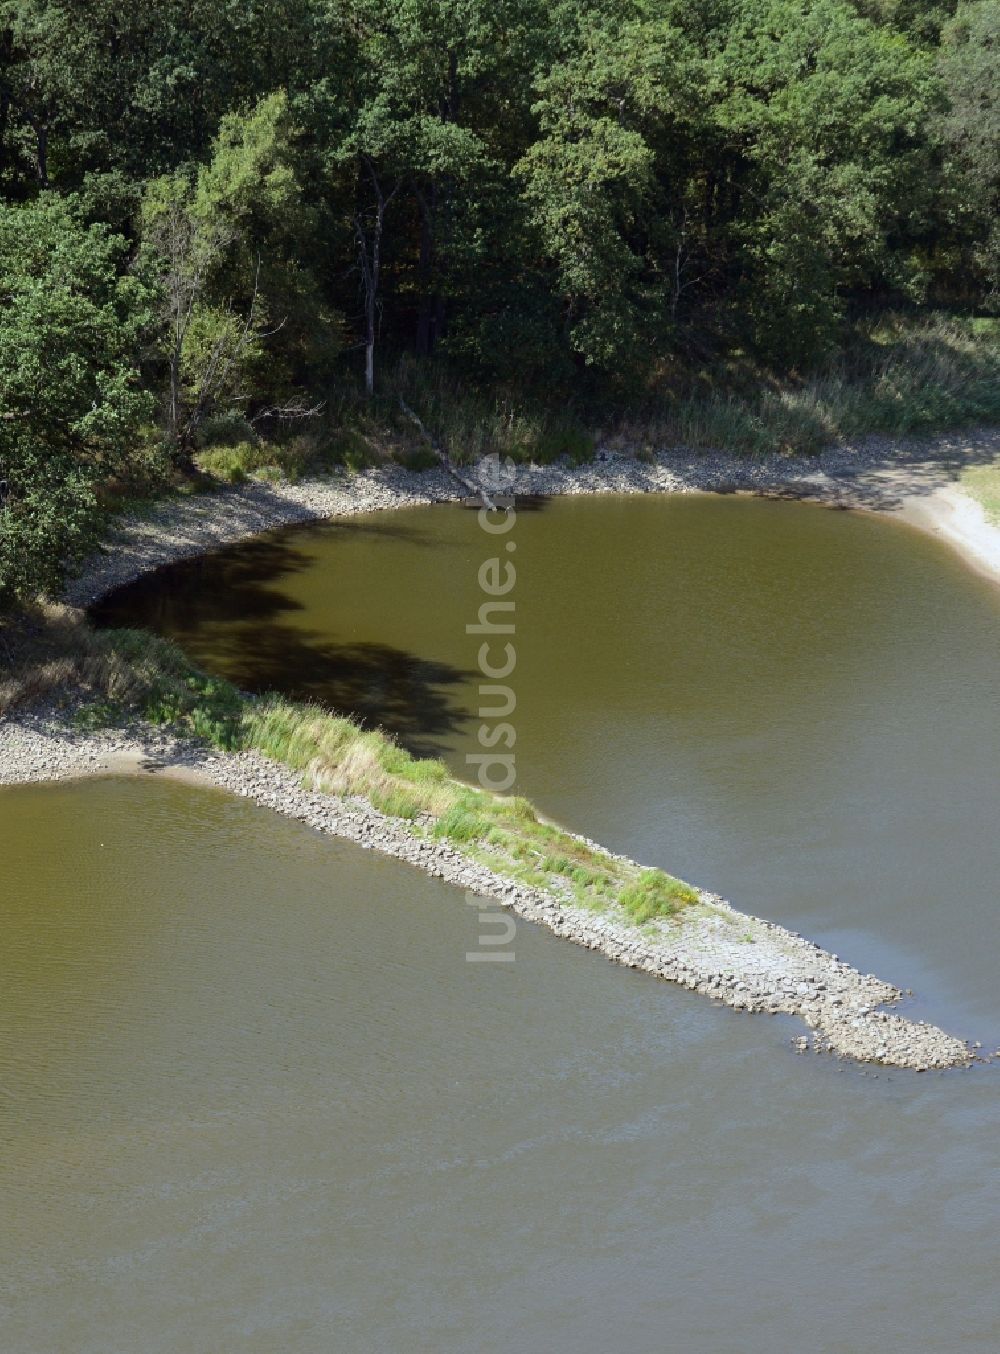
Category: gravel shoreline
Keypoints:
(912, 479)
(740, 960)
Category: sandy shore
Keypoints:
(954, 517)
(744, 961)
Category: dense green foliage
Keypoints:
(71, 397)
(226, 221)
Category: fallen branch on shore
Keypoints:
(475, 491)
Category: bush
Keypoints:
(471, 424)
(291, 459)
(655, 894)
(229, 429)
(72, 403)
(422, 458)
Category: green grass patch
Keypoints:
(292, 459)
(983, 483)
(463, 824)
(655, 894)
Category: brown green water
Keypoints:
(797, 708)
(253, 1098)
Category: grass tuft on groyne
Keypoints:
(114, 675)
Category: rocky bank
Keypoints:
(913, 479)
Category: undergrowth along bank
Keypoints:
(895, 376)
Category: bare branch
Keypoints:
(291, 410)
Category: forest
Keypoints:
(234, 234)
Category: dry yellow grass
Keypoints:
(48, 649)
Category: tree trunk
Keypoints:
(370, 257)
(370, 348)
(42, 154)
(4, 120)
(438, 328)
(371, 297)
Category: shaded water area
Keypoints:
(253, 1098)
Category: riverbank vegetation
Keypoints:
(113, 676)
(233, 237)
(983, 483)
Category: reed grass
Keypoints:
(896, 376)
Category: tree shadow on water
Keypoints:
(228, 613)
(414, 698)
(238, 583)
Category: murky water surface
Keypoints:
(252, 1097)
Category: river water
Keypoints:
(253, 1098)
